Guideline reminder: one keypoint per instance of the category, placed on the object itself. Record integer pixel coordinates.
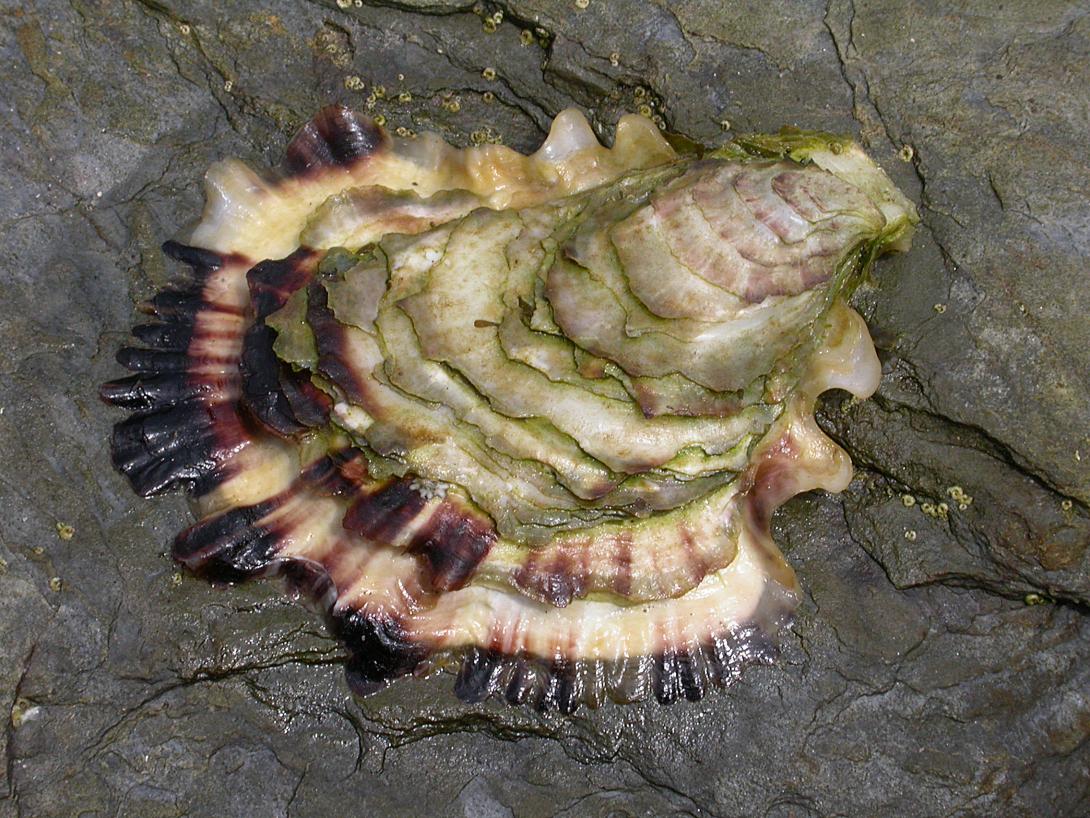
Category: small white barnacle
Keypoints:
(960, 496)
(429, 489)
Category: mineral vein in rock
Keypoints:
(525, 417)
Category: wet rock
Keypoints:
(916, 681)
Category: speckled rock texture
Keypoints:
(939, 665)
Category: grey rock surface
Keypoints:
(918, 679)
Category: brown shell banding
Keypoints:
(798, 457)
(403, 597)
(669, 553)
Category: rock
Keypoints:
(916, 681)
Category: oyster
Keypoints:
(523, 417)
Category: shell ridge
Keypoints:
(183, 427)
(336, 138)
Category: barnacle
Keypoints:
(522, 417)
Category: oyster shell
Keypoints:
(523, 417)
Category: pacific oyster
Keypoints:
(526, 417)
